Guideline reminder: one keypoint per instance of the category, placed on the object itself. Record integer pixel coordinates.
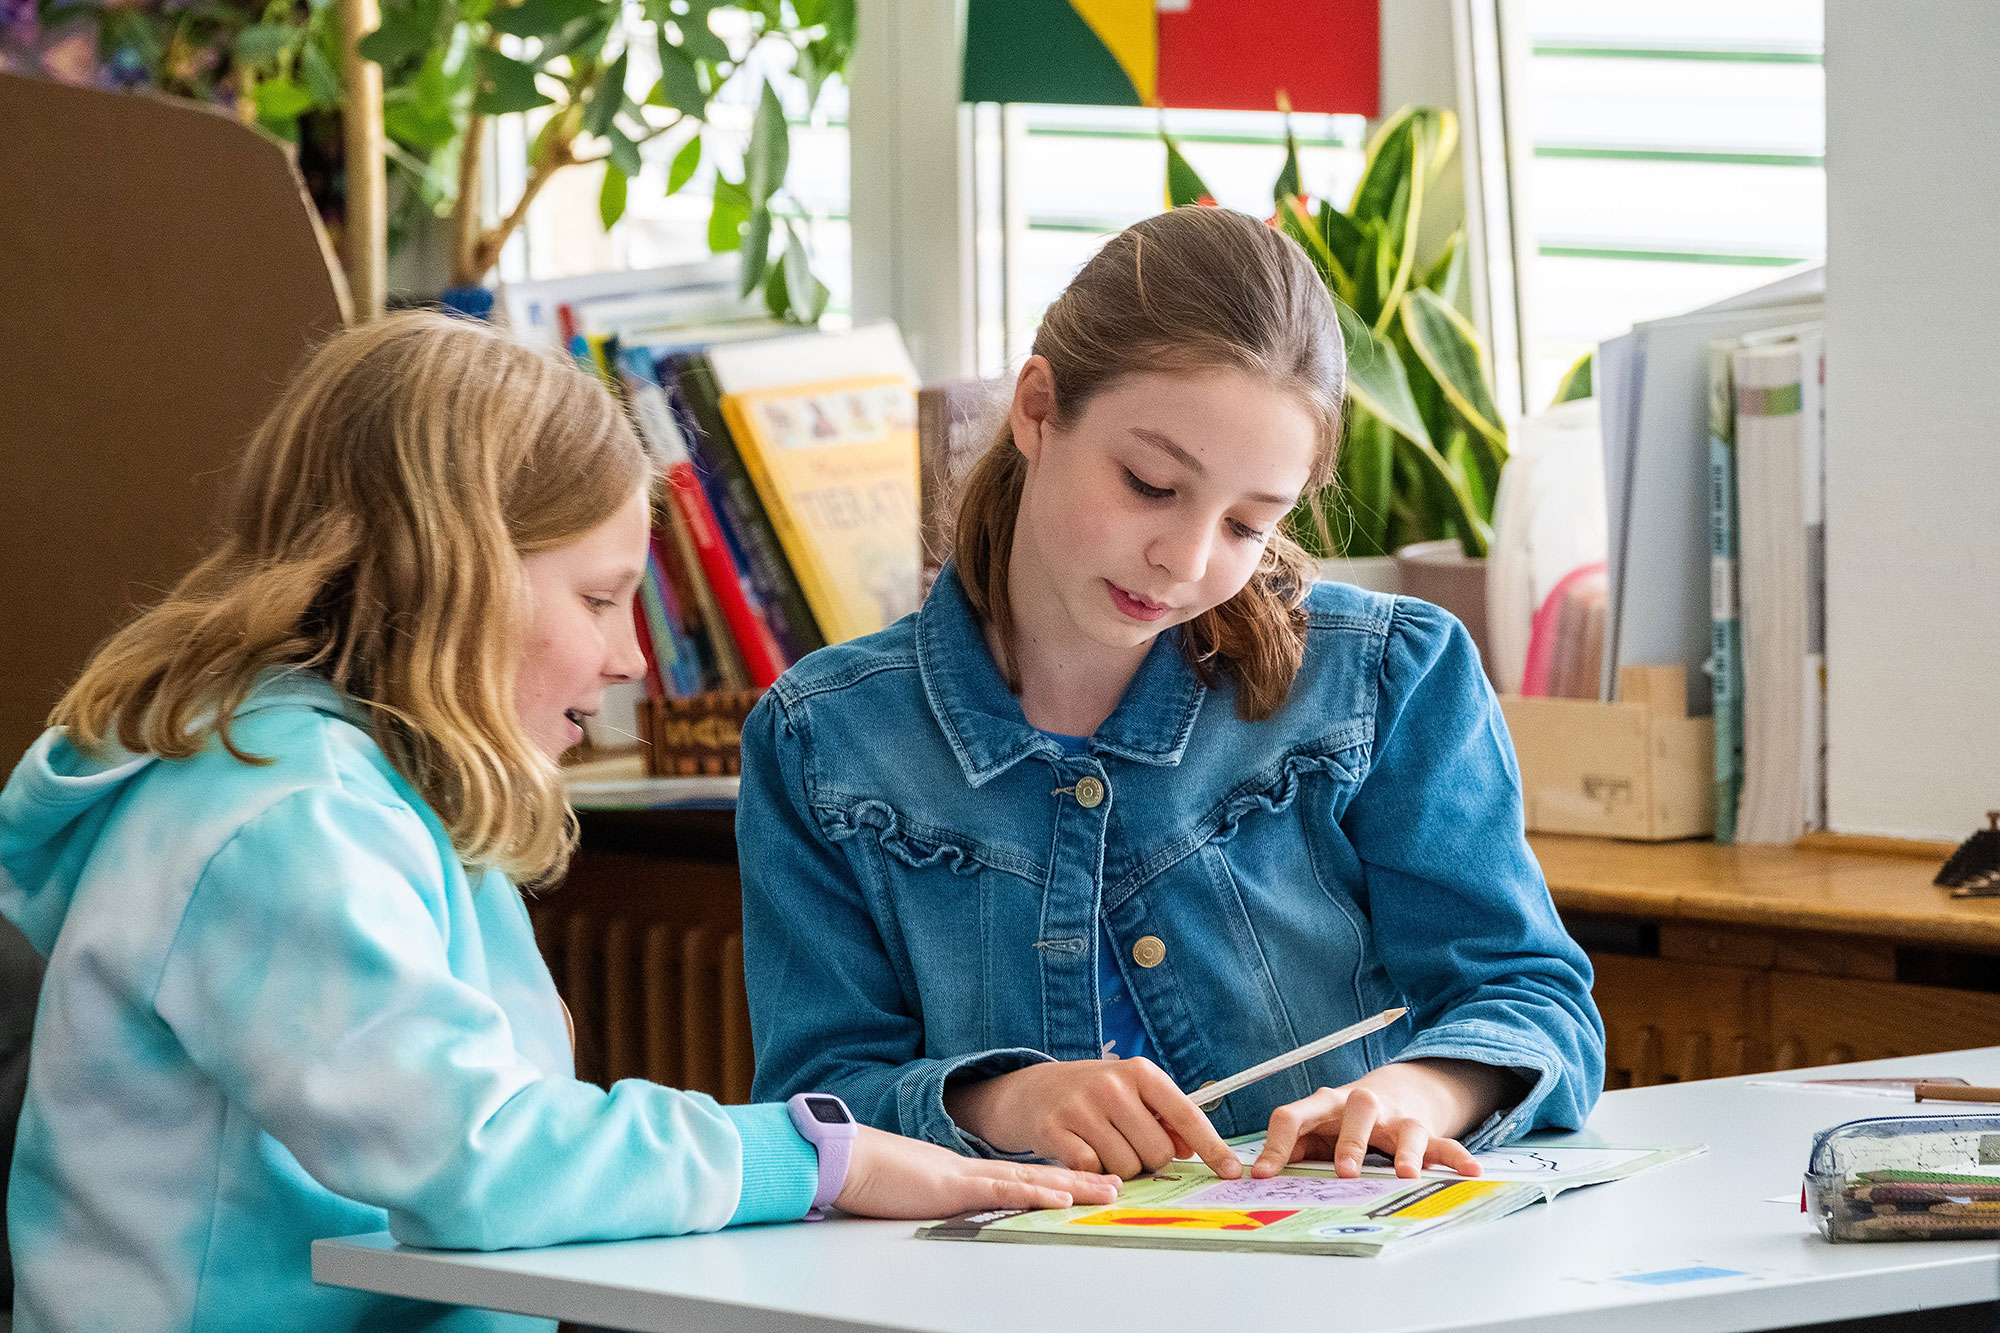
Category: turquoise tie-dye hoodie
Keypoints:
(276, 1009)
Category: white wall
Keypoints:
(1913, 415)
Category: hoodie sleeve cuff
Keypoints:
(780, 1169)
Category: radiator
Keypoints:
(655, 1000)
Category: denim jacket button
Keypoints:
(1089, 792)
(1150, 951)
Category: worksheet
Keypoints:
(1306, 1209)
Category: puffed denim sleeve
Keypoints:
(1462, 916)
(830, 1009)
(311, 977)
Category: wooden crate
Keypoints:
(1639, 768)
(700, 736)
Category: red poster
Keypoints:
(1325, 55)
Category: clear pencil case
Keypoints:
(1907, 1178)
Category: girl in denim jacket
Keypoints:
(270, 850)
(1131, 785)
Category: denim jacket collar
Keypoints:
(983, 719)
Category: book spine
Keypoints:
(763, 588)
(769, 569)
(1812, 348)
(1726, 626)
(804, 560)
(762, 661)
(679, 659)
(656, 684)
(742, 645)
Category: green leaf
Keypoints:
(1447, 271)
(1356, 513)
(730, 210)
(543, 18)
(1387, 164)
(502, 84)
(408, 29)
(1184, 184)
(1375, 377)
(1301, 228)
(1343, 239)
(607, 95)
(807, 294)
(777, 296)
(680, 84)
(1449, 348)
(1289, 184)
(684, 165)
(756, 248)
(611, 198)
(624, 152)
(280, 103)
(698, 39)
(1576, 381)
(770, 150)
(320, 76)
(1377, 381)
(263, 43)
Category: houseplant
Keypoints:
(1424, 444)
(450, 65)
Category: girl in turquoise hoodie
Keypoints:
(270, 848)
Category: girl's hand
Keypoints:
(891, 1176)
(1121, 1116)
(1409, 1111)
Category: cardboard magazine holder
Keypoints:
(1640, 768)
(163, 274)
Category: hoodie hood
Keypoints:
(51, 812)
(56, 807)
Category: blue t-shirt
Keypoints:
(1124, 1030)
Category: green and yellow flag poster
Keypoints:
(1323, 55)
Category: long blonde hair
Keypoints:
(1193, 289)
(374, 537)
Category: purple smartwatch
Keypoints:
(824, 1122)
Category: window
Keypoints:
(563, 234)
(1670, 154)
(1053, 183)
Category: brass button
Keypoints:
(1089, 793)
(1150, 951)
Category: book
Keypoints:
(956, 421)
(1725, 639)
(678, 662)
(661, 432)
(835, 463)
(825, 425)
(1655, 422)
(1780, 572)
(693, 391)
(1307, 1209)
(542, 312)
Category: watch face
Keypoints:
(827, 1110)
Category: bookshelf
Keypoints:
(163, 276)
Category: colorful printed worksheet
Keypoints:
(1306, 1209)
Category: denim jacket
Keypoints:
(925, 874)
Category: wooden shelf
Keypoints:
(1816, 889)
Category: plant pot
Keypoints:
(1442, 573)
(1377, 573)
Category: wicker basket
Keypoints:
(700, 736)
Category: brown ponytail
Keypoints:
(1190, 290)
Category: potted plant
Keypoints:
(1421, 458)
(450, 65)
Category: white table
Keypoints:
(1564, 1266)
